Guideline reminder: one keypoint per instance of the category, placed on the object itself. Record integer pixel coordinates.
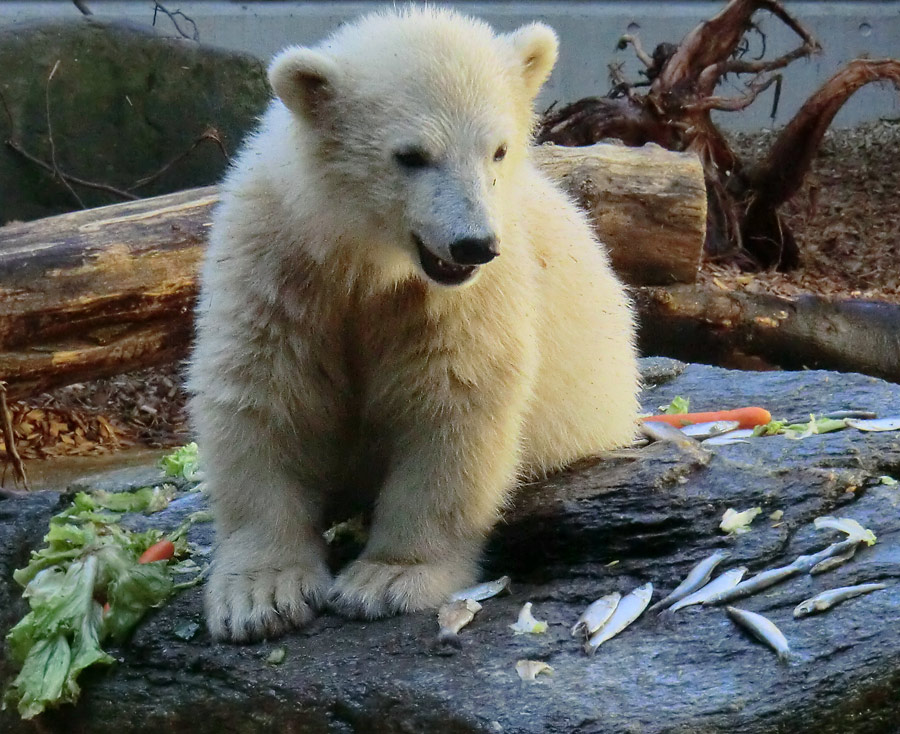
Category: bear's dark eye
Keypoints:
(500, 153)
(412, 158)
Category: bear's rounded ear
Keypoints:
(303, 79)
(536, 47)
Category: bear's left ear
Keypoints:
(536, 47)
(304, 80)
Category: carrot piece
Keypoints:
(746, 417)
(161, 551)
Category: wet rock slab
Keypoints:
(655, 512)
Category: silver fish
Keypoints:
(452, 617)
(807, 563)
(697, 577)
(596, 615)
(660, 431)
(762, 580)
(762, 629)
(725, 439)
(630, 608)
(834, 561)
(765, 579)
(483, 591)
(879, 424)
(719, 584)
(708, 429)
(827, 599)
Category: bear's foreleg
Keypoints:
(269, 571)
(441, 497)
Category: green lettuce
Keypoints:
(678, 406)
(84, 587)
(183, 462)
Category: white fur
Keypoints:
(331, 374)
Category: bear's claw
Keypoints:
(370, 589)
(263, 603)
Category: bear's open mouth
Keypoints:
(441, 271)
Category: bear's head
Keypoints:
(418, 123)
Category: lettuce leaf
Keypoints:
(183, 462)
(88, 559)
(678, 406)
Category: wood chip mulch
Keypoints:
(145, 408)
(846, 219)
(43, 433)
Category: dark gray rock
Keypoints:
(654, 511)
(124, 102)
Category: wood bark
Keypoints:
(759, 331)
(651, 216)
(99, 292)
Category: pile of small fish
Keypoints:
(697, 588)
(611, 614)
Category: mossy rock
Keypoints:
(124, 102)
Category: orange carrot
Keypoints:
(161, 551)
(746, 417)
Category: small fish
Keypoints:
(834, 561)
(879, 424)
(630, 608)
(659, 431)
(761, 581)
(452, 617)
(596, 614)
(725, 581)
(855, 414)
(483, 591)
(762, 629)
(709, 429)
(696, 578)
(765, 579)
(725, 439)
(529, 669)
(807, 563)
(828, 599)
(526, 624)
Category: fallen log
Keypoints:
(651, 216)
(590, 531)
(736, 329)
(103, 291)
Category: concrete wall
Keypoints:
(588, 30)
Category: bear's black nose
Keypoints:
(474, 250)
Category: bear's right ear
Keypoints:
(304, 80)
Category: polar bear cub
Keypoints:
(399, 314)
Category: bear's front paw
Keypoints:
(372, 589)
(249, 604)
